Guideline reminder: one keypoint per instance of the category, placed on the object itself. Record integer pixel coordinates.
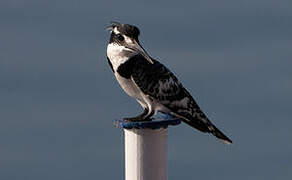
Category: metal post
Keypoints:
(146, 149)
(146, 154)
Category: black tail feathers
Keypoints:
(210, 128)
(216, 132)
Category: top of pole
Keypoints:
(164, 122)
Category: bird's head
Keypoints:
(126, 35)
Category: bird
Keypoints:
(151, 83)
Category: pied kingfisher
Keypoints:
(153, 85)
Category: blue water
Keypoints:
(58, 96)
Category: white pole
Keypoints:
(146, 154)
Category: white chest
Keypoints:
(129, 87)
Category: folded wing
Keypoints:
(156, 81)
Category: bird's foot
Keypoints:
(137, 119)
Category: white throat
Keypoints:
(118, 54)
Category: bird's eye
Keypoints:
(120, 37)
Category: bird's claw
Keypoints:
(137, 119)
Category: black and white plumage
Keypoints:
(153, 85)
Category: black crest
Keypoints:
(126, 29)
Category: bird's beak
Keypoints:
(138, 48)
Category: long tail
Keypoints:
(216, 132)
(208, 127)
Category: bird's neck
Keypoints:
(118, 54)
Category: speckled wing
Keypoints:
(156, 81)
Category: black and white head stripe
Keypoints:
(126, 35)
(125, 29)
